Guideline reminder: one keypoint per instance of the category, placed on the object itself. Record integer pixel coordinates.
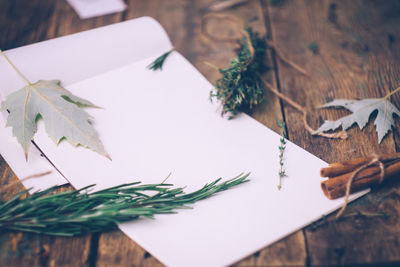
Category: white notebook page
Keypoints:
(154, 123)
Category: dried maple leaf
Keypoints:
(61, 111)
(362, 110)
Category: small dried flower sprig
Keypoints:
(282, 148)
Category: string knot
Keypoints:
(375, 160)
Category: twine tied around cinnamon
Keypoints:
(375, 160)
(357, 174)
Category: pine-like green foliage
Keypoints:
(159, 62)
(79, 211)
(240, 88)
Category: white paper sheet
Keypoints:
(155, 123)
(71, 59)
(94, 8)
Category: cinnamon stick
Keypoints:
(340, 173)
(339, 168)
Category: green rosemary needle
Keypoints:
(159, 62)
(79, 211)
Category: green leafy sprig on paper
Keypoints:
(79, 211)
(240, 87)
(60, 110)
(158, 63)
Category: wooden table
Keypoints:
(358, 57)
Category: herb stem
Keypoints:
(282, 148)
(14, 67)
(211, 65)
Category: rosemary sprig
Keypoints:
(159, 62)
(282, 148)
(79, 211)
(240, 88)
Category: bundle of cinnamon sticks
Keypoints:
(364, 173)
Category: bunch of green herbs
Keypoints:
(79, 211)
(240, 87)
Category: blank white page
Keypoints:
(154, 123)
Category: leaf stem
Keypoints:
(14, 67)
(391, 93)
(386, 98)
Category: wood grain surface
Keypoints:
(358, 57)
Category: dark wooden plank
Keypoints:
(358, 58)
(23, 22)
(25, 249)
(116, 249)
(359, 239)
(16, 249)
(22, 249)
(290, 251)
(7, 177)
